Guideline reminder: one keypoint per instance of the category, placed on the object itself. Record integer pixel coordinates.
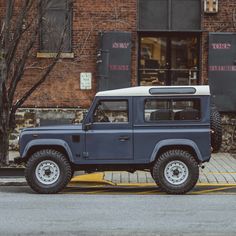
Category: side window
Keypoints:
(171, 109)
(113, 111)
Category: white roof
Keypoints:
(145, 91)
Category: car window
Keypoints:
(171, 109)
(113, 111)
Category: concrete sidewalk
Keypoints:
(221, 170)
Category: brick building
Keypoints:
(116, 43)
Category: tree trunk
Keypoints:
(4, 113)
(4, 135)
(4, 145)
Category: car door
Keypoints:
(110, 136)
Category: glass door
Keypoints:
(153, 61)
(169, 60)
(183, 60)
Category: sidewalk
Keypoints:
(221, 170)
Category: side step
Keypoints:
(7, 172)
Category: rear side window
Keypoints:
(171, 109)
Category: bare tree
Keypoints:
(19, 31)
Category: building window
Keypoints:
(56, 23)
(169, 15)
(172, 109)
(169, 59)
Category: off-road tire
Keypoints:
(72, 174)
(216, 127)
(51, 155)
(176, 155)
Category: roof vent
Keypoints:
(174, 90)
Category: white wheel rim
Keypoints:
(176, 172)
(47, 172)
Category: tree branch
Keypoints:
(18, 31)
(45, 75)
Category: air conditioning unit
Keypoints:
(211, 6)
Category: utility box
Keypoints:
(114, 60)
(222, 70)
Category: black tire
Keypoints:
(216, 127)
(151, 172)
(181, 157)
(72, 174)
(52, 156)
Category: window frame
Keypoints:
(169, 36)
(43, 53)
(111, 100)
(169, 19)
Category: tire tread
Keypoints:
(41, 155)
(169, 155)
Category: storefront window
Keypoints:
(169, 60)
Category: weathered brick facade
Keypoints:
(223, 21)
(62, 88)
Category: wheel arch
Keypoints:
(184, 144)
(36, 145)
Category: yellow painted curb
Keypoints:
(98, 179)
(154, 185)
(94, 178)
(218, 184)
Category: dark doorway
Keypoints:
(169, 59)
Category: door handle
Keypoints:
(124, 138)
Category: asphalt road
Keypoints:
(24, 213)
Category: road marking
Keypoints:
(219, 173)
(147, 191)
(215, 185)
(211, 190)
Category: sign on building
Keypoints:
(114, 60)
(222, 70)
(85, 80)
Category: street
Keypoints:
(23, 212)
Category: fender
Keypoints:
(170, 142)
(48, 142)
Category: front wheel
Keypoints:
(48, 171)
(176, 171)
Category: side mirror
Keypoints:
(88, 126)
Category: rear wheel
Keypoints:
(176, 171)
(48, 171)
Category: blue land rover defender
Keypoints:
(164, 130)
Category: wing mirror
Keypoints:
(88, 126)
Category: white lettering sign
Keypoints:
(85, 80)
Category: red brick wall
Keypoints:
(62, 88)
(223, 21)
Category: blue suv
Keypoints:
(164, 130)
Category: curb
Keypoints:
(97, 179)
(91, 179)
(94, 179)
(13, 182)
